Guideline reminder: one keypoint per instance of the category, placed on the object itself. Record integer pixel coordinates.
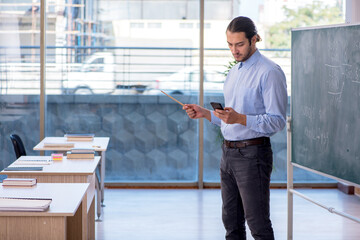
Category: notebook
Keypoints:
(19, 181)
(80, 135)
(24, 204)
(32, 162)
(85, 137)
(59, 145)
(23, 169)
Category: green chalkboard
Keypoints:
(325, 100)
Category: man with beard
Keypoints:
(255, 108)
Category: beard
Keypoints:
(244, 56)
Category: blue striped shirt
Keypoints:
(256, 88)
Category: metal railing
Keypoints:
(118, 70)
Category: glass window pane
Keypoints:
(217, 58)
(19, 77)
(274, 20)
(110, 60)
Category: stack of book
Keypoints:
(19, 182)
(24, 204)
(80, 137)
(81, 153)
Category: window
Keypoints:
(154, 25)
(106, 63)
(137, 25)
(186, 25)
(19, 77)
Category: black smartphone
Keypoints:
(216, 105)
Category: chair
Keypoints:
(18, 145)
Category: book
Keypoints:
(87, 155)
(24, 204)
(79, 139)
(84, 137)
(23, 169)
(32, 162)
(79, 135)
(59, 145)
(82, 150)
(19, 181)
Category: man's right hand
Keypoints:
(195, 111)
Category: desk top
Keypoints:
(66, 197)
(64, 167)
(99, 144)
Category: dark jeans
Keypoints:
(245, 190)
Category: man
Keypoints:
(255, 109)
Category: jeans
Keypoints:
(245, 190)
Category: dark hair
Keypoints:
(246, 25)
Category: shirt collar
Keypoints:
(249, 62)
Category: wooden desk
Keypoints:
(99, 144)
(63, 220)
(66, 171)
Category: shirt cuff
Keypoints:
(251, 121)
(215, 120)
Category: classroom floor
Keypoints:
(191, 214)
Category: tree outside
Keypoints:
(315, 14)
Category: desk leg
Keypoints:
(98, 198)
(102, 177)
(91, 221)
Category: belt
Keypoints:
(247, 142)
